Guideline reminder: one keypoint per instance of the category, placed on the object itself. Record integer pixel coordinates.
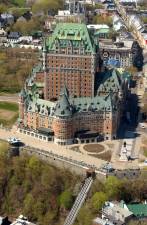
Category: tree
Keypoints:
(27, 27)
(34, 165)
(132, 70)
(99, 6)
(113, 187)
(46, 5)
(3, 8)
(20, 3)
(66, 199)
(85, 216)
(98, 19)
(29, 203)
(98, 200)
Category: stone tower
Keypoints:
(62, 122)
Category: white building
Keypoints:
(117, 23)
(22, 221)
(97, 26)
(117, 213)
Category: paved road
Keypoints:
(9, 98)
(63, 151)
(51, 147)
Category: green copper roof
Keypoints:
(125, 76)
(67, 106)
(73, 34)
(111, 81)
(97, 103)
(63, 106)
(102, 31)
(41, 106)
(139, 210)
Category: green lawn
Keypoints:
(9, 106)
(3, 145)
(8, 113)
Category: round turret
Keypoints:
(62, 122)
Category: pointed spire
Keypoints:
(63, 106)
(44, 46)
(22, 93)
(64, 91)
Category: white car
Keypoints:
(13, 140)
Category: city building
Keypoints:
(139, 210)
(118, 23)
(3, 36)
(70, 56)
(7, 18)
(116, 213)
(101, 31)
(117, 51)
(66, 16)
(99, 221)
(75, 6)
(119, 213)
(66, 99)
(13, 37)
(21, 220)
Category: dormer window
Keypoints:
(62, 112)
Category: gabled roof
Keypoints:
(14, 35)
(97, 103)
(111, 81)
(73, 33)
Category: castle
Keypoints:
(66, 98)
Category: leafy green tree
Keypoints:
(20, 3)
(66, 199)
(98, 19)
(45, 5)
(15, 66)
(48, 218)
(113, 187)
(29, 203)
(98, 200)
(3, 8)
(85, 216)
(27, 27)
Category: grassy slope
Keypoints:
(9, 106)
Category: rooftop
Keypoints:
(139, 210)
(71, 33)
(100, 221)
(22, 221)
(115, 212)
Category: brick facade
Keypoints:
(66, 96)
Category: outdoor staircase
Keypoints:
(79, 201)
